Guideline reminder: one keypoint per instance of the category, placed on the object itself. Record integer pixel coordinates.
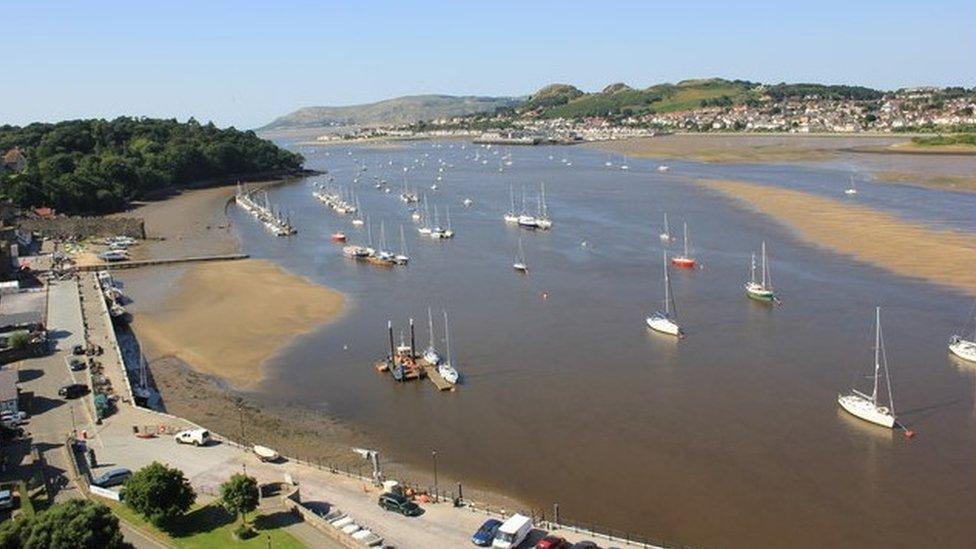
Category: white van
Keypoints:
(196, 437)
(512, 532)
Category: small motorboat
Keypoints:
(338, 236)
(265, 454)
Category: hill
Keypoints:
(401, 110)
(98, 166)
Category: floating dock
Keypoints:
(412, 365)
(111, 265)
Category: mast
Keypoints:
(877, 353)
(382, 236)
(520, 258)
(430, 327)
(752, 267)
(447, 337)
(686, 239)
(511, 198)
(369, 232)
(403, 242)
(667, 287)
(765, 277)
(448, 212)
(413, 340)
(667, 231)
(389, 327)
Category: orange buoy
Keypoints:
(909, 433)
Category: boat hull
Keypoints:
(963, 349)
(759, 293)
(863, 408)
(660, 323)
(683, 262)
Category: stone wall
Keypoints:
(85, 227)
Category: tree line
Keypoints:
(98, 166)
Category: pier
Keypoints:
(404, 361)
(151, 262)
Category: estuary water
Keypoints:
(731, 437)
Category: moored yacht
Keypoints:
(868, 407)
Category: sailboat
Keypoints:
(963, 348)
(430, 354)
(684, 260)
(866, 406)
(524, 219)
(448, 232)
(402, 258)
(519, 264)
(436, 231)
(666, 322)
(445, 369)
(666, 235)
(424, 227)
(760, 290)
(851, 190)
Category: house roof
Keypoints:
(8, 384)
(13, 156)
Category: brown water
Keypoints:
(730, 438)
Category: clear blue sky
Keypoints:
(243, 63)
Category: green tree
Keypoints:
(74, 524)
(159, 493)
(19, 340)
(239, 495)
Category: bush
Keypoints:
(19, 340)
(244, 532)
(159, 493)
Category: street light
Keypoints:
(433, 454)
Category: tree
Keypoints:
(74, 524)
(239, 495)
(19, 340)
(159, 493)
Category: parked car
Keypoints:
(78, 349)
(76, 364)
(512, 532)
(112, 478)
(585, 545)
(552, 542)
(13, 418)
(73, 390)
(196, 437)
(486, 534)
(6, 499)
(399, 504)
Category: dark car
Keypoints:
(585, 545)
(486, 534)
(399, 504)
(552, 542)
(74, 390)
(78, 349)
(112, 478)
(76, 364)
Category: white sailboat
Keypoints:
(666, 321)
(448, 232)
(666, 235)
(866, 406)
(851, 190)
(543, 221)
(963, 348)
(760, 290)
(424, 227)
(445, 369)
(519, 264)
(430, 354)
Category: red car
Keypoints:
(552, 542)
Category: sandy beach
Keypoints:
(227, 318)
(904, 248)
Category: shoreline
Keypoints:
(299, 430)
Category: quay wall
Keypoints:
(85, 227)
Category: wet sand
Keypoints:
(904, 248)
(931, 181)
(742, 148)
(227, 318)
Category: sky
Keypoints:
(243, 63)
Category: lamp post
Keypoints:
(433, 454)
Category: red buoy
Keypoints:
(909, 433)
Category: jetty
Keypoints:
(152, 262)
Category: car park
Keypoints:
(399, 504)
(486, 533)
(111, 478)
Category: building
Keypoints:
(8, 390)
(14, 160)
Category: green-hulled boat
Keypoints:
(761, 290)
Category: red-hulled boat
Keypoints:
(684, 261)
(338, 237)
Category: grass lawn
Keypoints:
(209, 526)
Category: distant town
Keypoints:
(745, 108)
